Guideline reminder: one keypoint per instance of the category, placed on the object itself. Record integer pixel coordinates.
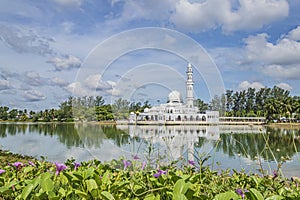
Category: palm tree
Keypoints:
(271, 108)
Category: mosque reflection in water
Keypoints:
(111, 141)
(182, 140)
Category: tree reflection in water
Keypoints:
(70, 134)
(274, 144)
(277, 142)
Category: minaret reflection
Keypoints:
(179, 140)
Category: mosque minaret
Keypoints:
(189, 87)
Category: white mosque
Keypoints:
(175, 111)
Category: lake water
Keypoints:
(235, 147)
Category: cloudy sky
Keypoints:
(52, 49)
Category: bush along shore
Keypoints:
(23, 177)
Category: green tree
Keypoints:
(4, 112)
(202, 106)
(104, 112)
(229, 103)
(121, 108)
(250, 100)
(13, 114)
(218, 103)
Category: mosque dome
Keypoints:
(175, 97)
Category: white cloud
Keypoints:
(96, 83)
(246, 84)
(281, 72)
(77, 89)
(33, 78)
(295, 34)
(111, 83)
(66, 63)
(281, 59)
(69, 3)
(92, 85)
(4, 84)
(248, 14)
(149, 10)
(285, 86)
(68, 26)
(254, 14)
(284, 52)
(59, 81)
(33, 95)
(24, 40)
(197, 17)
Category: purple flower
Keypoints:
(76, 165)
(144, 165)
(18, 165)
(136, 157)
(241, 192)
(162, 171)
(159, 173)
(126, 164)
(59, 168)
(31, 163)
(191, 162)
(2, 171)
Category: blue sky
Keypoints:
(52, 49)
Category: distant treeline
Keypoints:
(87, 108)
(272, 103)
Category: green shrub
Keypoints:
(96, 180)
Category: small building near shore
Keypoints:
(175, 111)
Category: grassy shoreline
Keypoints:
(284, 125)
(7, 158)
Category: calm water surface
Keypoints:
(234, 147)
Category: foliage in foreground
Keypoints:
(126, 179)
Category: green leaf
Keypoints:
(8, 187)
(179, 197)
(27, 169)
(69, 176)
(107, 195)
(120, 186)
(152, 197)
(62, 192)
(81, 194)
(256, 180)
(52, 196)
(88, 173)
(36, 181)
(275, 197)
(78, 176)
(47, 185)
(230, 195)
(180, 187)
(255, 195)
(45, 175)
(91, 185)
(105, 177)
(26, 191)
